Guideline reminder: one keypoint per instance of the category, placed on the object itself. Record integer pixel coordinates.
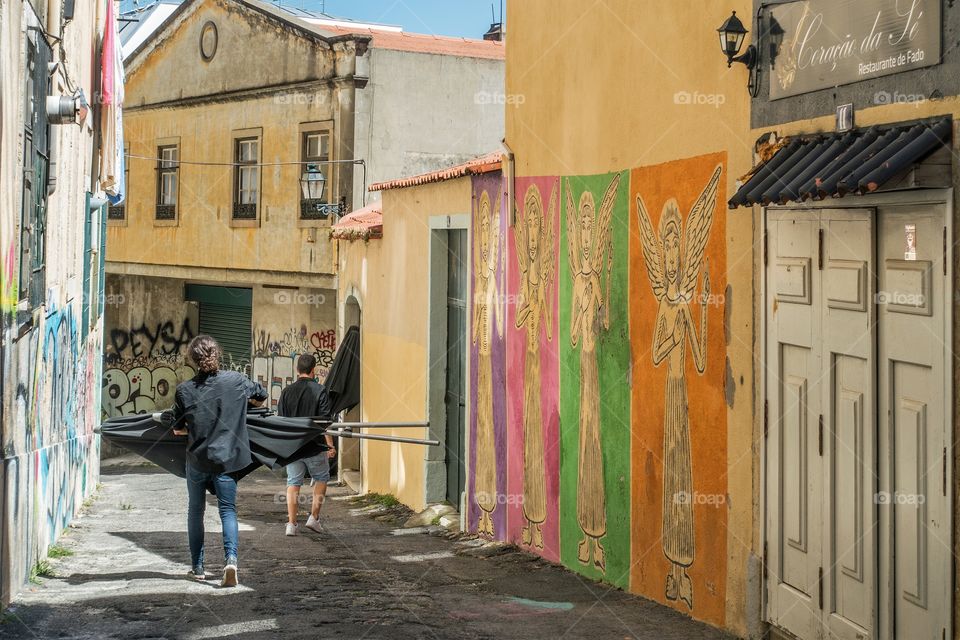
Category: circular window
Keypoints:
(208, 41)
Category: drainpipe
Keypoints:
(509, 164)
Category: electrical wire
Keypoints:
(244, 164)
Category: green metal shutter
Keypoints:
(230, 325)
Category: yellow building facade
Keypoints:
(662, 112)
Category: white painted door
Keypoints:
(915, 464)
(848, 411)
(820, 423)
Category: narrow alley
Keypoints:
(126, 577)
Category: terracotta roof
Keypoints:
(362, 224)
(483, 164)
(424, 43)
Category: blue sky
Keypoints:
(467, 18)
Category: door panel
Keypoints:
(849, 423)
(821, 438)
(455, 393)
(794, 480)
(915, 515)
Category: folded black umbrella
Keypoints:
(274, 441)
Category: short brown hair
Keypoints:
(205, 353)
(306, 363)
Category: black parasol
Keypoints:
(343, 381)
(274, 441)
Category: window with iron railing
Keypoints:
(168, 181)
(315, 154)
(246, 189)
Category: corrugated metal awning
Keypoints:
(838, 164)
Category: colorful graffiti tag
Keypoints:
(51, 452)
(274, 361)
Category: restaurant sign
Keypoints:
(818, 44)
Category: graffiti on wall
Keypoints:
(488, 351)
(50, 448)
(678, 265)
(160, 339)
(143, 387)
(143, 366)
(8, 280)
(534, 254)
(275, 359)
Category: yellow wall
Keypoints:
(220, 101)
(204, 235)
(625, 84)
(390, 279)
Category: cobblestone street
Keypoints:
(126, 578)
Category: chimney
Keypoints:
(495, 32)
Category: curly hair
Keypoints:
(205, 353)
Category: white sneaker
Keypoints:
(314, 525)
(291, 529)
(229, 576)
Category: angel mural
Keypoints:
(673, 270)
(590, 252)
(487, 314)
(534, 240)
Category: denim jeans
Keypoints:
(226, 488)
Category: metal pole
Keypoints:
(370, 436)
(379, 425)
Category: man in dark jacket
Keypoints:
(307, 398)
(211, 410)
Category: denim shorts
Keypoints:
(318, 466)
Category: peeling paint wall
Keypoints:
(49, 360)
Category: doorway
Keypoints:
(455, 391)
(857, 421)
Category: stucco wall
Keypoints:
(49, 359)
(421, 112)
(391, 280)
(661, 105)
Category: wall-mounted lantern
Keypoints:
(732, 33)
(312, 206)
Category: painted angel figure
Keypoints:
(534, 240)
(673, 270)
(590, 252)
(487, 314)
